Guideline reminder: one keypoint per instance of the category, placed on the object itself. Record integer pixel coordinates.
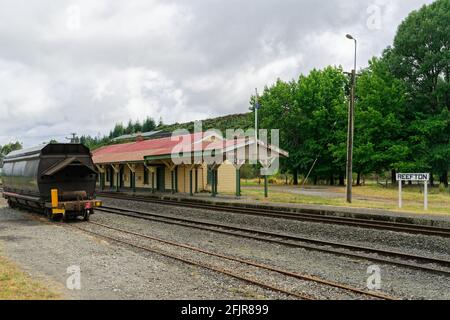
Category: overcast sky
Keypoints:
(82, 66)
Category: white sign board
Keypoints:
(413, 176)
(425, 177)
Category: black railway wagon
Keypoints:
(57, 179)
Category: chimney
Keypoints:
(139, 138)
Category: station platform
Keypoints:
(436, 220)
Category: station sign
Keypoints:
(423, 177)
(413, 176)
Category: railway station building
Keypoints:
(174, 164)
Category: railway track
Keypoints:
(228, 258)
(297, 216)
(341, 249)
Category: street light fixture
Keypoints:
(349, 36)
(351, 111)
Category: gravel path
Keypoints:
(397, 281)
(108, 270)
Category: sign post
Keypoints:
(425, 177)
(425, 195)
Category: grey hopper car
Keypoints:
(58, 179)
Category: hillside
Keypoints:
(234, 121)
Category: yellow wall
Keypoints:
(227, 178)
(140, 176)
(184, 180)
(226, 174)
(201, 182)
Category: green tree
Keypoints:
(94, 143)
(380, 121)
(137, 127)
(279, 110)
(117, 131)
(322, 96)
(420, 57)
(309, 113)
(148, 125)
(7, 148)
(130, 127)
(12, 146)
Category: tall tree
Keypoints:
(118, 131)
(421, 58)
(137, 127)
(148, 125)
(130, 127)
(308, 112)
(279, 111)
(380, 121)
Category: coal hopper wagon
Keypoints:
(56, 179)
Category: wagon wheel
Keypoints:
(48, 214)
(86, 215)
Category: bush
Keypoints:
(249, 172)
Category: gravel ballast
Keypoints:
(113, 271)
(437, 247)
(108, 271)
(398, 281)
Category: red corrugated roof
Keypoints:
(135, 151)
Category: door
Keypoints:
(121, 176)
(160, 179)
(111, 177)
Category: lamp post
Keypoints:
(351, 111)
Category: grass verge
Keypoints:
(16, 285)
(374, 197)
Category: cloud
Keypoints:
(81, 66)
